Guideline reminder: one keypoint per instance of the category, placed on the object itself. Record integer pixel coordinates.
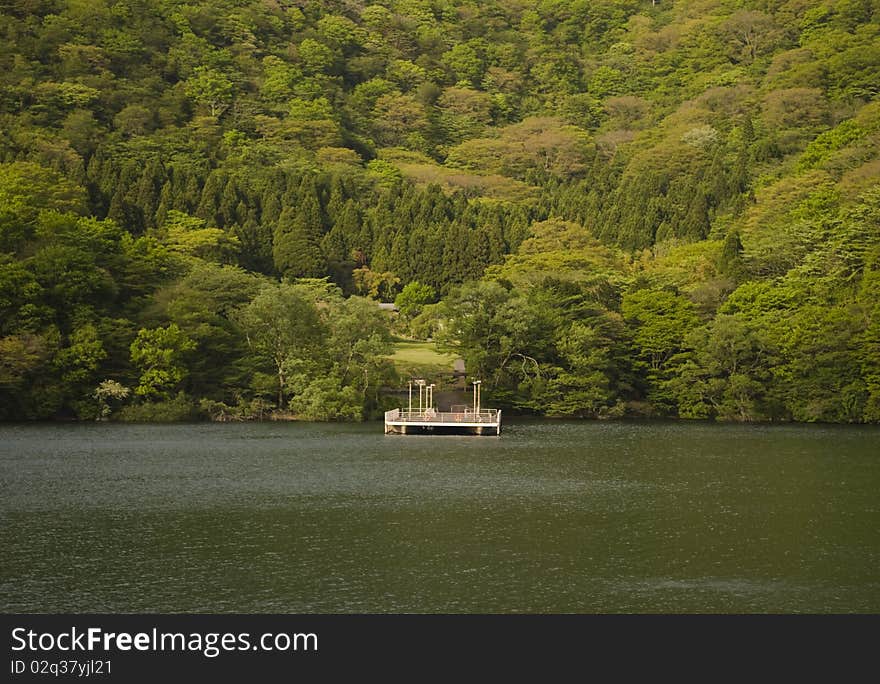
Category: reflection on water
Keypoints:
(550, 517)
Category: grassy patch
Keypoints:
(420, 358)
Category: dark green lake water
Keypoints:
(550, 517)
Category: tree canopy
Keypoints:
(623, 207)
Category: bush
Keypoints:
(325, 399)
(174, 410)
(254, 409)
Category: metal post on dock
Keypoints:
(430, 401)
(421, 384)
(410, 396)
(474, 383)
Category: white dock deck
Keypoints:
(481, 422)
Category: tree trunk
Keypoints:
(280, 388)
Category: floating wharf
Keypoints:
(467, 421)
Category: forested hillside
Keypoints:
(608, 208)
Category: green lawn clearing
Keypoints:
(420, 358)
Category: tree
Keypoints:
(358, 347)
(27, 390)
(279, 79)
(26, 189)
(730, 260)
(109, 392)
(282, 328)
(326, 399)
(211, 88)
(21, 354)
(203, 304)
(134, 119)
(659, 322)
(338, 242)
(750, 31)
(727, 373)
(501, 335)
(296, 247)
(80, 359)
(189, 236)
(463, 113)
(585, 384)
(316, 57)
(75, 259)
(397, 118)
(412, 299)
(161, 354)
(465, 62)
(375, 284)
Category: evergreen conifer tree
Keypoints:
(296, 249)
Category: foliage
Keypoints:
(658, 208)
(413, 298)
(107, 393)
(327, 399)
(160, 354)
(177, 409)
(283, 328)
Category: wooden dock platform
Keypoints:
(467, 421)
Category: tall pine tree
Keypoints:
(297, 241)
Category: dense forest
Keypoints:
(607, 208)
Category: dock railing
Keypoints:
(433, 416)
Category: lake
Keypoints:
(550, 517)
